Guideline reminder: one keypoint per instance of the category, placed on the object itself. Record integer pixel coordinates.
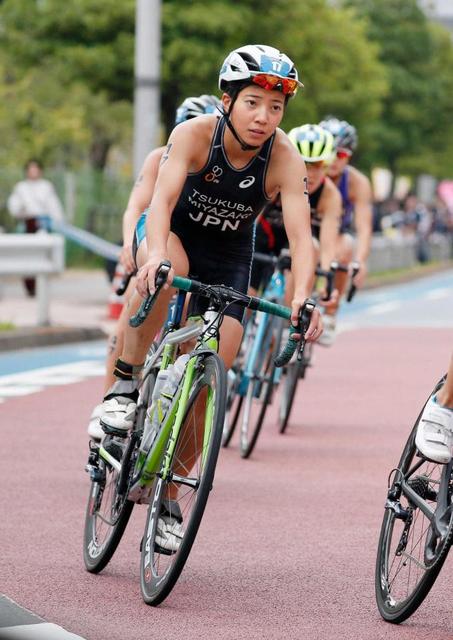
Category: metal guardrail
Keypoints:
(38, 255)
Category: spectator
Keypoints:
(418, 222)
(34, 202)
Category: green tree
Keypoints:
(418, 58)
(79, 56)
(76, 60)
(339, 67)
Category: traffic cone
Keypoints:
(116, 302)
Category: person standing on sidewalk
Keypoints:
(35, 203)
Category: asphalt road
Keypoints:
(287, 545)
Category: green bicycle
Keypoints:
(175, 476)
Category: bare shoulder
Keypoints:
(331, 189)
(285, 159)
(359, 183)
(191, 140)
(199, 130)
(153, 158)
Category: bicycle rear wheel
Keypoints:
(108, 509)
(416, 533)
(107, 512)
(189, 482)
(260, 388)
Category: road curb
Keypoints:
(47, 336)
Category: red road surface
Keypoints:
(287, 546)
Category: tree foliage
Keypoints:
(418, 107)
(66, 72)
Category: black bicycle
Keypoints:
(416, 532)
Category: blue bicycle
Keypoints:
(255, 375)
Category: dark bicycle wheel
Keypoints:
(416, 533)
(179, 499)
(107, 513)
(108, 509)
(294, 372)
(261, 388)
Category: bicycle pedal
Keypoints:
(111, 431)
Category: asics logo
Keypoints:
(247, 182)
(214, 175)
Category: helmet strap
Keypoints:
(226, 115)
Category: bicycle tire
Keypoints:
(234, 399)
(294, 371)
(160, 569)
(104, 507)
(265, 376)
(97, 554)
(432, 549)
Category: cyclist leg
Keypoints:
(120, 401)
(345, 252)
(434, 438)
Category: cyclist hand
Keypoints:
(126, 258)
(332, 303)
(315, 328)
(359, 278)
(147, 274)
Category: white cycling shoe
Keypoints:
(118, 414)
(329, 334)
(94, 426)
(119, 407)
(169, 529)
(434, 437)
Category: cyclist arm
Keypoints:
(296, 218)
(330, 207)
(363, 219)
(139, 199)
(174, 166)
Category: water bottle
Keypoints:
(164, 389)
(175, 372)
(151, 423)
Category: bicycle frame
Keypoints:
(274, 292)
(159, 458)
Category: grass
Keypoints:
(403, 275)
(7, 326)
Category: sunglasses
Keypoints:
(343, 153)
(288, 86)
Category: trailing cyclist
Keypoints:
(139, 200)
(356, 192)
(214, 178)
(316, 146)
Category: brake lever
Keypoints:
(305, 313)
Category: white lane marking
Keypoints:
(41, 631)
(26, 382)
(384, 307)
(438, 294)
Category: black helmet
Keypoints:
(345, 134)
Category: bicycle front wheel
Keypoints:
(179, 499)
(416, 533)
(294, 371)
(260, 388)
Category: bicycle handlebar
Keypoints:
(304, 322)
(125, 283)
(229, 294)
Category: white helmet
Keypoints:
(197, 106)
(252, 60)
